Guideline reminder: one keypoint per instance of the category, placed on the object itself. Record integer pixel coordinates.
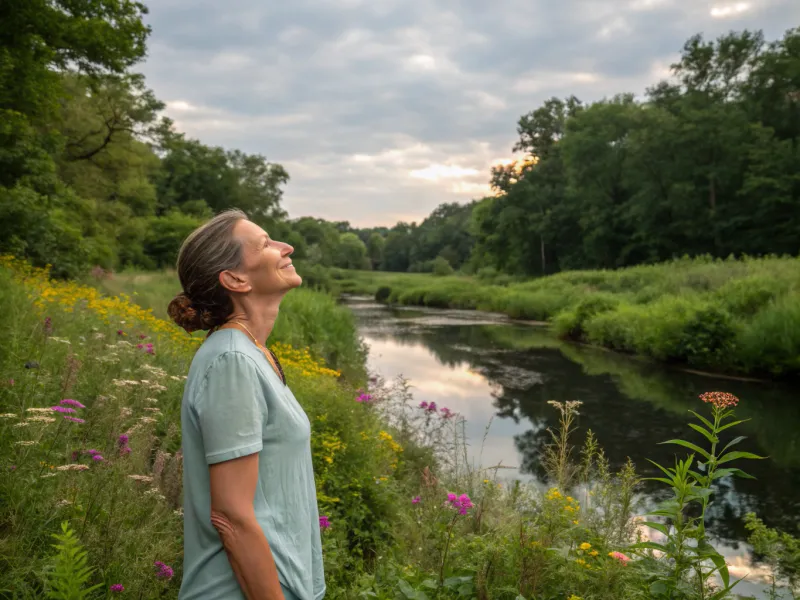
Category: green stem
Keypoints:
(446, 549)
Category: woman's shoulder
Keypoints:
(223, 350)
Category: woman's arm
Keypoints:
(233, 487)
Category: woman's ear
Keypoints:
(233, 283)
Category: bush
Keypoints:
(383, 293)
(570, 323)
(441, 267)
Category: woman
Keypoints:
(251, 523)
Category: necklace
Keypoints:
(269, 354)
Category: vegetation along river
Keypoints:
(487, 367)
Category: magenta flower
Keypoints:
(97, 457)
(62, 409)
(140, 346)
(365, 398)
(120, 332)
(122, 440)
(148, 348)
(415, 500)
(432, 407)
(74, 419)
(324, 522)
(125, 450)
(71, 402)
(117, 588)
(462, 503)
(163, 571)
(447, 413)
(91, 452)
(142, 336)
(423, 404)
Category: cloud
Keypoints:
(383, 110)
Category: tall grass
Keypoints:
(738, 316)
(409, 518)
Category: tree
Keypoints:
(352, 253)
(375, 247)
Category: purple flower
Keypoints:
(446, 413)
(163, 571)
(149, 349)
(423, 404)
(97, 457)
(74, 419)
(120, 332)
(71, 402)
(140, 346)
(91, 452)
(142, 336)
(63, 409)
(125, 450)
(117, 588)
(462, 503)
(451, 497)
(324, 523)
(415, 500)
(11, 382)
(365, 398)
(432, 407)
(122, 440)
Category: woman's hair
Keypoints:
(209, 250)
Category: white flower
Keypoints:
(62, 503)
(142, 478)
(48, 411)
(73, 467)
(151, 400)
(26, 443)
(8, 416)
(22, 424)
(40, 419)
(49, 475)
(62, 340)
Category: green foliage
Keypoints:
(70, 573)
(780, 550)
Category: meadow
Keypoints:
(90, 473)
(735, 316)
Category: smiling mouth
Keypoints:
(287, 266)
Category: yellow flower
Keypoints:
(574, 597)
(575, 522)
(581, 562)
(593, 553)
(585, 546)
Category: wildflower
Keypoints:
(432, 407)
(26, 443)
(12, 468)
(125, 450)
(593, 553)
(39, 410)
(73, 467)
(149, 349)
(48, 325)
(62, 409)
(71, 402)
(462, 503)
(39, 419)
(575, 522)
(720, 400)
(122, 440)
(141, 478)
(97, 457)
(120, 332)
(74, 419)
(574, 597)
(324, 523)
(163, 571)
(8, 416)
(585, 546)
(117, 588)
(446, 413)
(580, 561)
(620, 557)
(63, 503)
(364, 398)
(423, 405)
(415, 500)
(23, 424)
(142, 336)
(139, 346)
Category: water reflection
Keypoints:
(489, 369)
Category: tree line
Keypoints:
(92, 173)
(706, 163)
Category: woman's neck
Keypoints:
(259, 321)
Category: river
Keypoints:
(489, 368)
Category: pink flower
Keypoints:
(432, 407)
(62, 409)
(415, 500)
(324, 523)
(71, 402)
(97, 458)
(163, 571)
(117, 588)
(125, 450)
(620, 557)
(462, 503)
(423, 405)
(74, 419)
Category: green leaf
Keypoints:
(406, 589)
(661, 479)
(689, 445)
(430, 583)
(737, 455)
(657, 526)
(705, 421)
(649, 545)
(734, 442)
(722, 567)
(724, 427)
(709, 436)
(658, 588)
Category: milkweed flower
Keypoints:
(117, 588)
(324, 522)
(620, 557)
(163, 571)
(719, 399)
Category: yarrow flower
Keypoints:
(71, 402)
(620, 557)
(415, 500)
(720, 399)
(462, 502)
(324, 523)
(163, 571)
(117, 588)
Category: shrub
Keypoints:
(383, 293)
(770, 342)
(441, 267)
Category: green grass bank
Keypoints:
(734, 316)
(90, 392)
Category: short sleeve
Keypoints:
(231, 409)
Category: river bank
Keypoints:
(739, 317)
(89, 413)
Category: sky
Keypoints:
(381, 110)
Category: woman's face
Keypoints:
(266, 264)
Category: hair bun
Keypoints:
(182, 311)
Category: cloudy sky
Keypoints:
(382, 109)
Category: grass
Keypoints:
(736, 316)
(384, 470)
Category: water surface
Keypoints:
(488, 368)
